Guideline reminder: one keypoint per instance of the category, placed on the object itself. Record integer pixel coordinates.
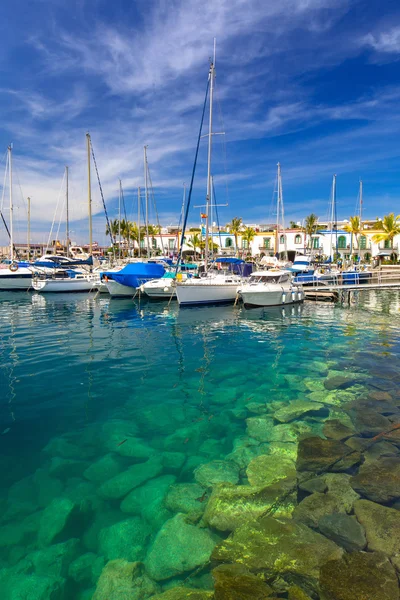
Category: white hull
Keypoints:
(159, 289)
(64, 285)
(15, 280)
(206, 293)
(117, 289)
(259, 297)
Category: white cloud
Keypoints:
(386, 41)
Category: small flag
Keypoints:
(203, 216)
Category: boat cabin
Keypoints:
(269, 277)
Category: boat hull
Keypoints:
(20, 280)
(253, 299)
(159, 289)
(209, 293)
(117, 290)
(69, 285)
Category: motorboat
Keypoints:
(126, 281)
(270, 288)
(15, 275)
(212, 288)
(64, 281)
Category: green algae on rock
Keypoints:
(316, 454)
(344, 530)
(266, 469)
(178, 547)
(235, 582)
(56, 518)
(103, 469)
(117, 487)
(381, 524)
(183, 593)
(279, 548)
(359, 576)
(148, 500)
(185, 498)
(231, 506)
(86, 568)
(298, 408)
(314, 507)
(125, 539)
(123, 580)
(216, 471)
(379, 481)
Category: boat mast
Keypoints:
(119, 221)
(89, 195)
(67, 207)
(208, 198)
(138, 220)
(11, 203)
(278, 206)
(147, 200)
(332, 215)
(29, 228)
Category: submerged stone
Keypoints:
(186, 498)
(178, 547)
(381, 524)
(86, 568)
(316, 454)
(122, 580)
(148, 501)
(184, 593)
(339, 382)
(103, 469)
(216, 471)
(314, 507)
(379, 481)
(266, 469)
(235, 582)
(32, 587)
(56, 518)
(54, 560)
(173, 461)
(260, 428)
(279, 547)
(231, 506)
(296, 409)
(118, 486)
(296, 593)
(359, 576)
(344, 530)
(135, 448)
(126, 539)
(336, 430)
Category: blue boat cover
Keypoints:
(134, 274)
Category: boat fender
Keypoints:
(14, 267)
(293, 296)
(283, 298)
(166, 289)
(105, 278)
(141, 288)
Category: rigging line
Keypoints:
(192, 178)
(155, 206)
(126, 218)
(113, 241)
(55, 213)
(216, 214)
(224, 149)
(1, 209)
(4, 184)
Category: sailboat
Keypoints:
(357, 273)
(69, 279)
(14, 275)
(217, 285)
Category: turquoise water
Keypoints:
(93, 389)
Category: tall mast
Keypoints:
(138, 219)
(119, 221)
(11, 203)
(212, 76)
(29, 227)
(333, 203)
(278, 207)
(89, 195)
(361, 202)
(67, 207)
(147, 201)
(182, 214)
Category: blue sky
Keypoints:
(313, 84)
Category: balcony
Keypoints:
(263, 247)
(383, 247)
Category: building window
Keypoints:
(315, 243)
(297, 239)
(367, 257)
(282, 239)
(228, 243)
(154, 243)
(387, 244)
(342, 242)
(363, 242)
(245, 244)
(267, 242)
(171, 244)
(142, 243)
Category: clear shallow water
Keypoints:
(96, 372)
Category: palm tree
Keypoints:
(112, 228)
(194, 242)
(390, 228)
(293, 225)
(353, 227)
(248, 235)
(310, 226)
(235, 228)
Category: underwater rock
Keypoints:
(339, 485)
(135, 448)
(260, 428)
(47, 488)
(56, 518)
(103, 469)
(313, 385)
(380, 450)
(287, 449)
(60, 446)
(245, 449)
(103, 517)
(344, 530)
(316, 484)
(235, 582)
(32, 587)
(216, 471)
(230, 506)
(148, 501)
(178, 547)
(381, 524)
(122, 580)
(118, 486)
(296, 409)
(359, 576)
(186, 498)
(314, 507)
(183, 593)
(296, 593)
(336, 430)
(369, 423)
(86, 568)
(125, 539)
(113, 432)
(377, 396)
(378, 481)
(266, 469)
(173, 461)
(66, 467)
(54, 560)
(339, 382)
(316, 454)
(256, 408)
(279, 547)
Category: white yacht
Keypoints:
(164, 288)
(215, 287)
(270, 288)
(64, 281)
(15, 276)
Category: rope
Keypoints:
(55, 214)
(155, 206)
(192, 178)
(216, 214)
(113, 241)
